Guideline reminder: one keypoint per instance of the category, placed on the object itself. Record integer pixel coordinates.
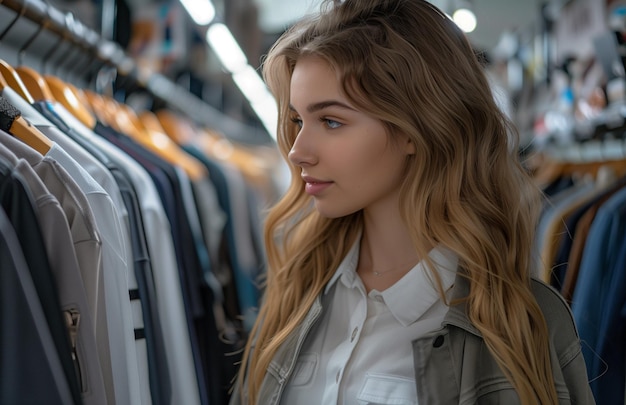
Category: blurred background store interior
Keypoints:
(543, 55)
(170, 91)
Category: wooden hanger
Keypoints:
(180, 130)
(13, 80)
(127, 119)
(255, 164)
(170, 150)
(35, 83)
(119, 117)
(20, 128)
(97, 106)
(617, 166)
(67, 95)
(150, 121)
(546, 170)
(178, 156)
(102, 108)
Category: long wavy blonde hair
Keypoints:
(405, 63)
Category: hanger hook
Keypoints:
(105, 79)
(60, 61)
(12, 23)
(53, 50)
(68, 60)
(20, 53)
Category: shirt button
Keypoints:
(354, 332)
(438, 342)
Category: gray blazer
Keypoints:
(452, 364)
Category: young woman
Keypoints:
(399, 259)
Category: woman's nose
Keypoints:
(302, 152)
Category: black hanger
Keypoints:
(12, 23)
(29, 41)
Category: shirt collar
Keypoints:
(415, 293)
(347, 266)
(410, 298)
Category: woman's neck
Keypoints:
(387, 252)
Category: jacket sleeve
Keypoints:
(575, 374)
(565, 342)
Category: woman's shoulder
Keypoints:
(555, 308)
(558, 315)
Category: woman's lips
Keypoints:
(315, 186)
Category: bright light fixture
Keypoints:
(233, 59)
(201, 11)
(465, 19)
(226, 48)
(261, 100)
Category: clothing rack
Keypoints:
(581, 245)
(36, 34)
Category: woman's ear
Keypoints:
(410, 146)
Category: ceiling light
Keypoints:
(201, 11)
(261, 100)
(465, 19)
(226, 48)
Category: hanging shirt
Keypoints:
(361, 347)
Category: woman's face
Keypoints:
(348, 161)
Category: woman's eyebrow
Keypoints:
(324, 104)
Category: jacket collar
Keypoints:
(457, 314)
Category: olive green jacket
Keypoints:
(453, 364)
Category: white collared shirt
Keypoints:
(360, 349)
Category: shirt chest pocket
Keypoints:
(304, 370)
(387, 390)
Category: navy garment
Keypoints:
(559, 267)
(16, 201)
(30, 368)
(228, 259)
(227, 253)
(187, 246)
(565, 246)
(158, 372)
(160, 388)
(247, 290)
(559, 184)
(611, 348)
(598, 274)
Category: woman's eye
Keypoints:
(297, 121)
(332, 124)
